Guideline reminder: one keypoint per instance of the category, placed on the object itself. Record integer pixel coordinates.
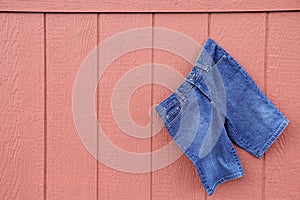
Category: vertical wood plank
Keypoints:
(243, 36)
(283, 75)
(180, 179)
(113, 183)
(71, 170)
(22, 106)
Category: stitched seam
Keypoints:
(272, 138)
(181, 97)
(169, 123)
(221, 59)
(170, 103)
(226, 178)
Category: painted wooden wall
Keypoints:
(42, 45)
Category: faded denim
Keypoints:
(219, 104)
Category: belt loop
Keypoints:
(181, 97)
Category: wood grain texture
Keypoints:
(114, 183)
(283, 73)
(22, 106)
(180, 179)
(71, 170)
(243, 36)
(41, 155)
(148, 6)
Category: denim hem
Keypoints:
(224, 179)
(272, 139)
(202, 177)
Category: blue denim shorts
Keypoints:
(219, 104)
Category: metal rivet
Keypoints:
(192, 76)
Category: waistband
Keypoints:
(209, 55)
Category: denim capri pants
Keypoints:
(219, 104)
